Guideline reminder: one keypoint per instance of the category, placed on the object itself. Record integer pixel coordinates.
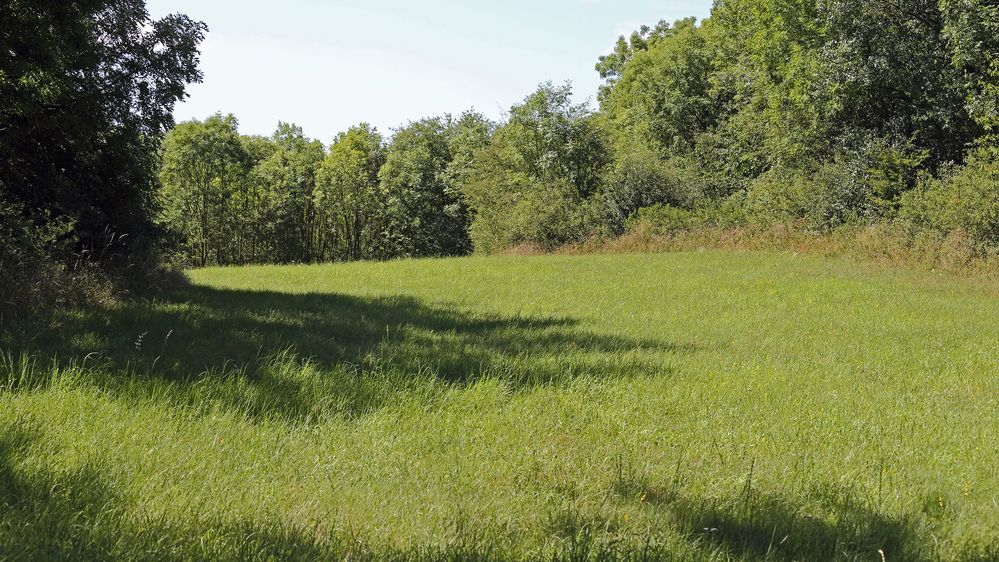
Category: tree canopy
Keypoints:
(818, 113)
(87, 90)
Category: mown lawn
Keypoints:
(695, 406)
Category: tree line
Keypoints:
(814, 112)
(238, 199)
(819, 113)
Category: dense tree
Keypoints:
(661, 93)
(287, 178)
(470, 134)
(820, 112)
(425, 166)
(237, 199)
(349, 198)
(536, 180)
(87, 89)
(204, 176)
(972, 27)
(422, 216)
(887, 71)
(611, 66)
(255, 215)
(823, 110)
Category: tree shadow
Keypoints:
(769, 527)
(81, 516)
(298, 355)
(45, 518)
(826, 522)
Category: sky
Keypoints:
(329, 64)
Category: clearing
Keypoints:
(707, 406)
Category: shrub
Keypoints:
(860, 184)
(644, 179)
(660, 220)
(514, 210)
(962, 198)
(43, 269)
(32, 277)
(833, 195)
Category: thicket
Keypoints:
(237, 199)
(818, 113)
(87, 89)
(823, 114)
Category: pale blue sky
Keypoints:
(328, 64)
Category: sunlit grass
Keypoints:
(705, 405)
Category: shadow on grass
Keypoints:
(766, 527)
(297, 356)
(79, 516)
(827, 525)
(826, 522)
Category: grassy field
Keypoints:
(691, 406)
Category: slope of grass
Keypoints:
(694, 406)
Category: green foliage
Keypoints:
(660, 95)
(426, 165)
(965, 198)
(822, 113)
(644, 179)
(285, 183)
(87, 89)
(424, 217)
(537, 180)
(855, 186)
(826, 112)
(204, 169)
(31, 260)
(349, 196)
(833, 195)
(611, 66)
(972, 28)
(889, 63)
(666, 219)
(234, 199)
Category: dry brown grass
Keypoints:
(883, 244)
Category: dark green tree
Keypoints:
(537, 179)
(349, 199)
(87, 90)
(972, 29)
(425, 166)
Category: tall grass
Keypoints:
(690, 406)
(885, 244)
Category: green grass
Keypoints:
(700, 406)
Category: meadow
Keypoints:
(707, 405)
